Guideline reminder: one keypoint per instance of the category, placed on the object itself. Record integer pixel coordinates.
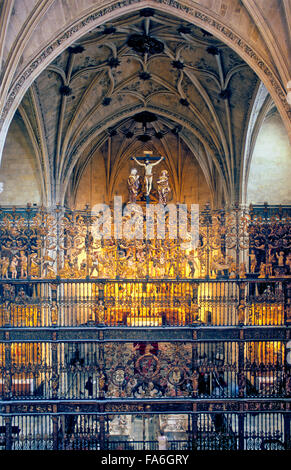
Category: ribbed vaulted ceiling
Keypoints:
(138, 81)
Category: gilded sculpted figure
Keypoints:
(5, 265)
(219, 264)
(13, 267)
(23, 264)
(163, 187)
(262, 273)
(133, 185)
(94, 264)
(148, 166)
(269, 263)
(242, 270)
(280, 258)
(253, 260)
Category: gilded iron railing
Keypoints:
(90, 370)
(38, 243)
(144, 303)
(95, 334)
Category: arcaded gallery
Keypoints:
(145, 203)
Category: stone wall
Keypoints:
(18, 170)
(270, 170)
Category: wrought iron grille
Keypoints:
(149, 303)
(88, 370)
(37, 243)
(99, 334)
(196, 431)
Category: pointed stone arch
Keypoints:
(21, 77)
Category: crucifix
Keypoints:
(148, 164)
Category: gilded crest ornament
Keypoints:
(148, 365)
